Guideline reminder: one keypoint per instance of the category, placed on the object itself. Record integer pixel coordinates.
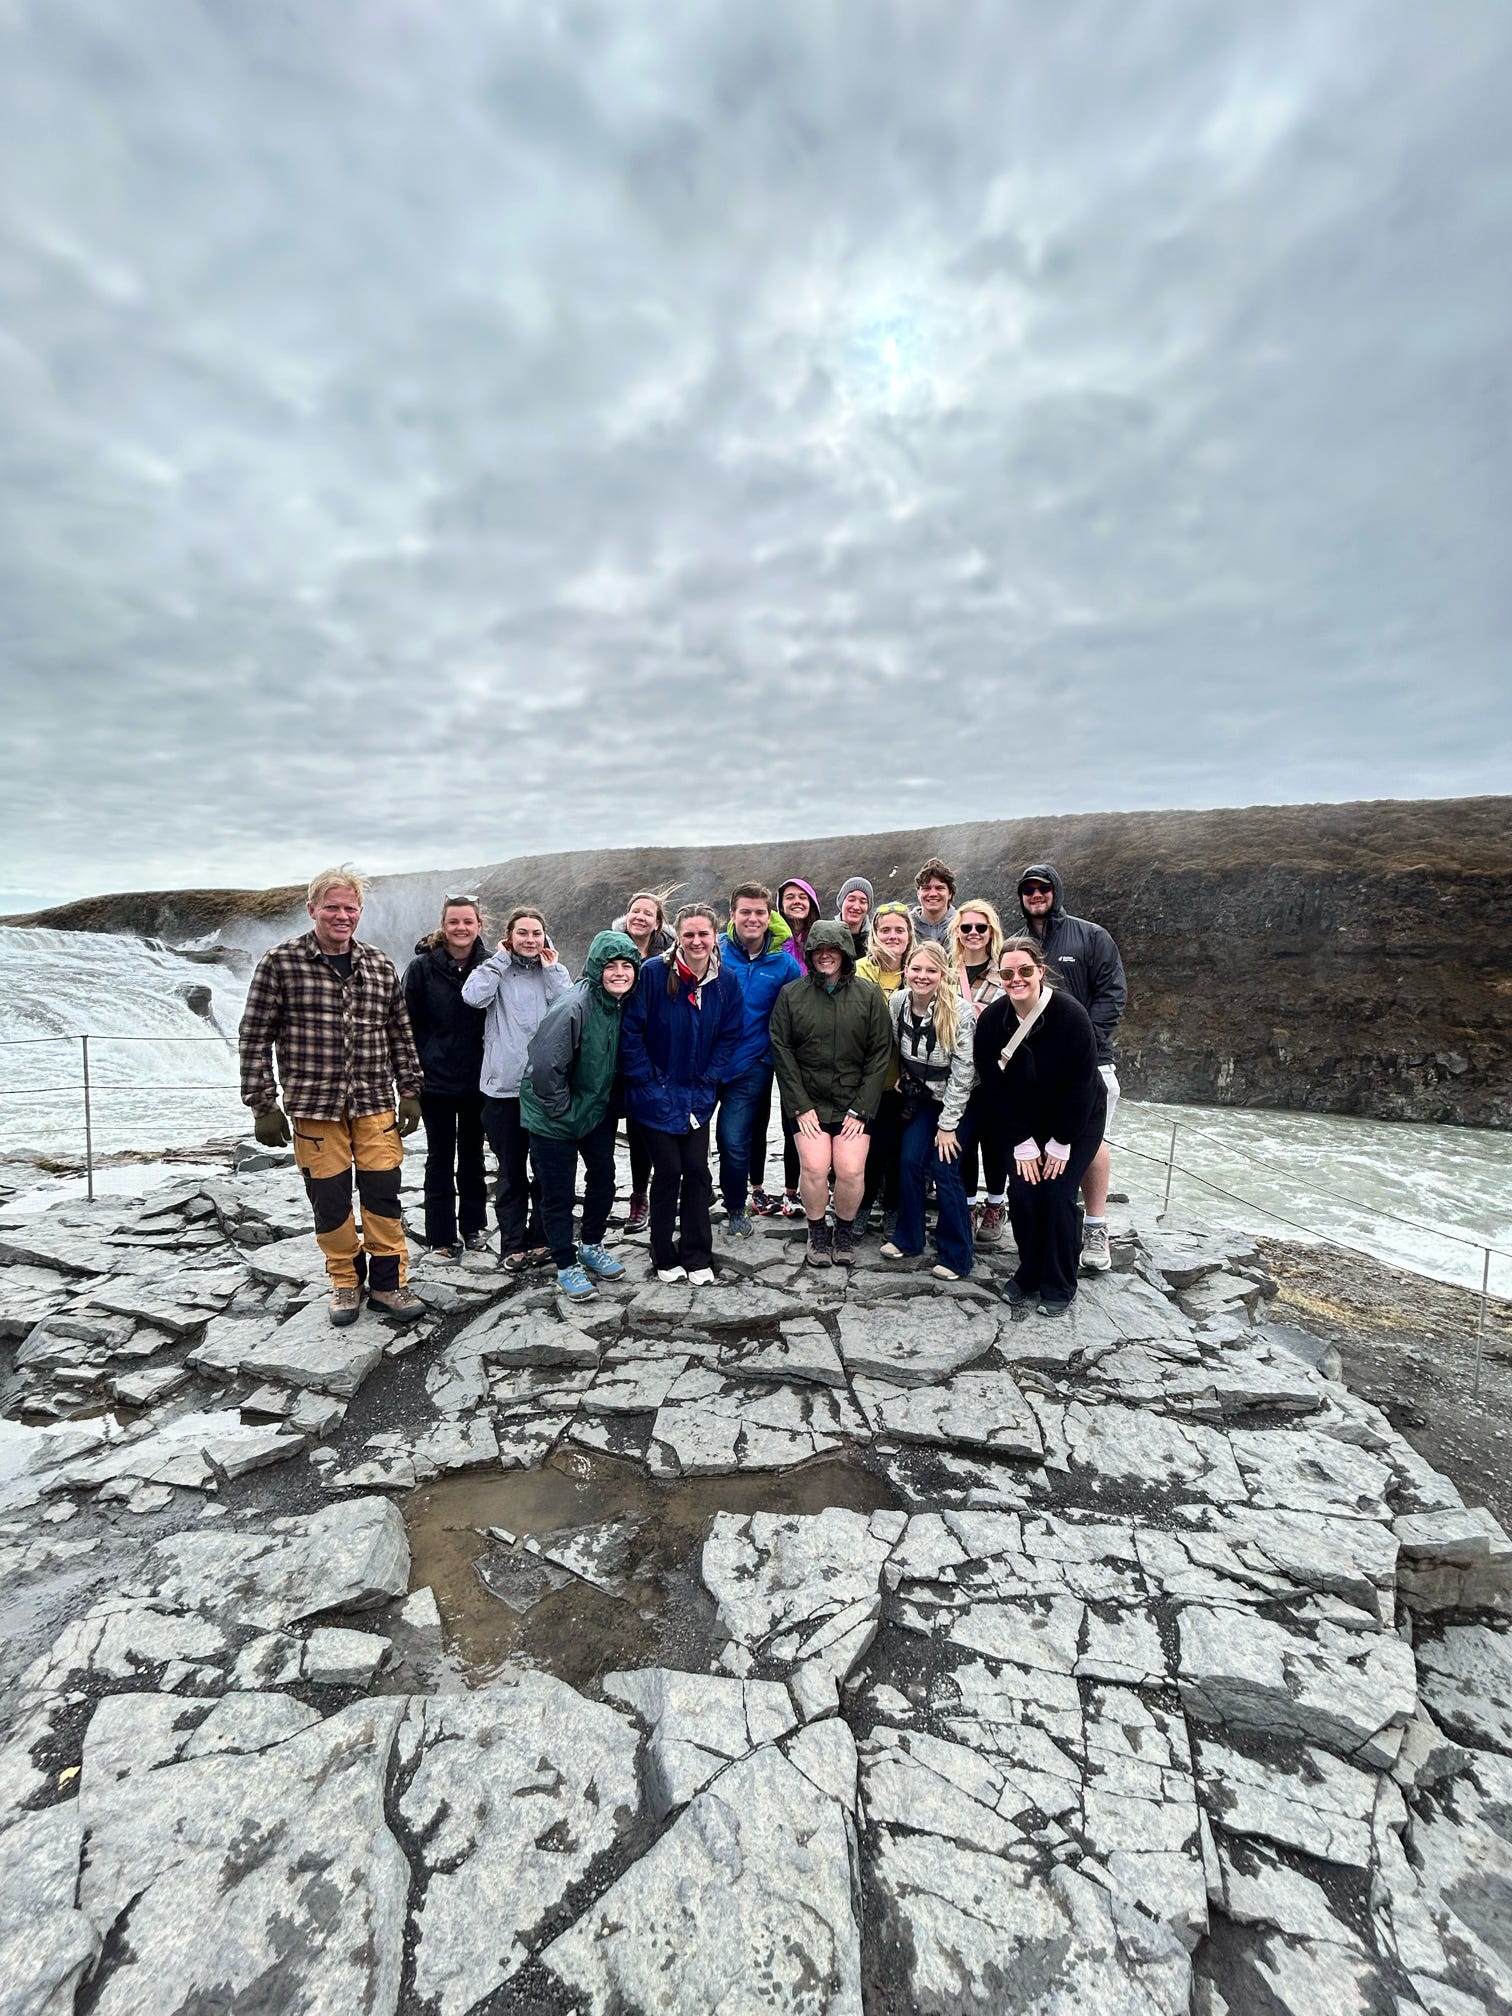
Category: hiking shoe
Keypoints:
(670, 1274)
(861, 1225)
(1013, 1294)
(843, 1245)
(944, 1273)
(1095, 1257)
(598, 1260)
(739, 1226)
(989, 1229)
(1053, 1308)
(791, 1206)
(397, 1304)
(640, 1213)
(702, 1277)
(820, 1251)
(764, 1204)
(477, 1242)
(345, 1305)
(573, 1282)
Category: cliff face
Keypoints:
(1339, 958)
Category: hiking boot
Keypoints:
(598, 1260)
(640, 1213)
(791, 1205)
(764, 1204)
(478, 1242)
(397, 1304)
(989, 1230)
(861, 1225)
(671, 1274)
(843, 1245)
(821, 1246)
(739, 1226)
(573, 1282)
(701, 1277)
(345, 1305)
(1095, 1257)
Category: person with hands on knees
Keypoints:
(1044, 1099)
(332, 1011)
(678, 1039)
(515, 987)
(831, 1045)
(449, 1038)
(932, 1032)
(568, 1111)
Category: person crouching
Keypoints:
(567, 1108)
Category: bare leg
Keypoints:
(850, 1174)
(814, 1168)
(1095, 1184)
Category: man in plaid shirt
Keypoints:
(333, 1010)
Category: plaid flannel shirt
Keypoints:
(342, 1045)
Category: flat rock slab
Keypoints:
(188, 1453)
(804, 1351)
(297, 1262)
(1132, 1445)
(514, 1790)
(182, 1301)
(746, 1902)
(46, 1944)
(503, 1336)
(1466, 1678)
(48, 1243)
(306, 1352)
(351, 1556)
(973, 1410)
(790, 1590)
(1454, 1560)
(1184, 1257)
(1351, 1691)
(915, 1344)
(29, 1293)
(1236, 1554)
(707, 1425)
(698, 1724)
(260, 1873)
(1307, 1470)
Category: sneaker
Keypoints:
(1095, 1257)
(477, 1242)
(702, 1277)
(739, 1226)
(345, 1305)
(944, 1273)
(764, 1204)
(598, 1260)
(1013, 1294)
(861, 1225)
(843, 1245)
(1053, 1308)
(989, 1229)
(397, 1304)
(791, 1206)
(573, 1282)
(892, 1252)
(670, 1274)
(640, 1213)
(820, 1251)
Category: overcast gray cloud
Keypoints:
(432, 433)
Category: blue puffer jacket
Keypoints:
(673, 1056)
(761, 978)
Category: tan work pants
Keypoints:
(327, 1151)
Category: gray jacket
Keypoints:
(939, 933)
(957, 1088)
(515, 993)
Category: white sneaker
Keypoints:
(702, 1277)
(671, 1274)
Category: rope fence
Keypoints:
(88, 1086)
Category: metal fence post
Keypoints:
(88, 1124)
(1170, 1166)
(1480, 1321)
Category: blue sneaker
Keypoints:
(575, 1285)
(739, 1226)
(599, 1260)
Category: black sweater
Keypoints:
(1052, 1090)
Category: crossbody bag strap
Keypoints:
(1005, 1055)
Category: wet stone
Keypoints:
(913, 1344)
(1466, 1678)
(350, 1556)
(972, 1410)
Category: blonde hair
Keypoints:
(344, 877)
(994, 931)
(946, 1006)
(874, 951)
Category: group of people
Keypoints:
(911, 1046)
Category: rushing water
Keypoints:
(1309, 1173)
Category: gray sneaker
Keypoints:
(739, 1226)
(1095, 1257)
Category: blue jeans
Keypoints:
(741, 1102)
(917, 1162)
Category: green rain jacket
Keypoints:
(570, 1065)
(832, 1049)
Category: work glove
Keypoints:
(409, 1116)
(273, 1129)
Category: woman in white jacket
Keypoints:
(932, 1031)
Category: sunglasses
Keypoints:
(974, 930)
(461, 896)
(1018, 972)
(1035, 889)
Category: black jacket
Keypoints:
(1086, 962)
(448, 1033)
(1052, 1089)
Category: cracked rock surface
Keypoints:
(1165, 1677)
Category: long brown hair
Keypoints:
(438, 936)
(670, 955)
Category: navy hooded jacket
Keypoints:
(673, 1056)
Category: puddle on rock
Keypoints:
(644, 1606)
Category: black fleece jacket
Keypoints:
(1052, 1089)
(448, 1033)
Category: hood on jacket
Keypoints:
(608, 945)
(856, 882)
(1041, 872)
(779, 931)
(797, 882)
(837, 936)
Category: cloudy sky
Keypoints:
(434, 432)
